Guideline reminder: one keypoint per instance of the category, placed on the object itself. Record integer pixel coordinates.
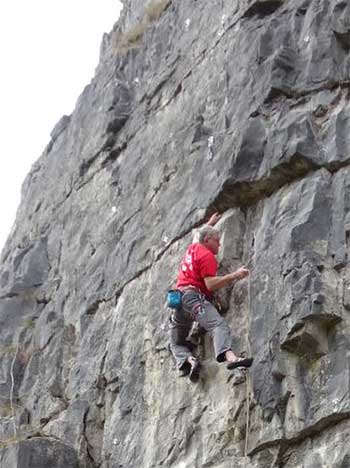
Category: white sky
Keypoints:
(48, 50)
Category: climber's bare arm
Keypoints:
(216, 282)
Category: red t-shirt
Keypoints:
(198, 263)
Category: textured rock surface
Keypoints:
(40, 453)
(237, 106)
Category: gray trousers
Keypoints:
(196, 308)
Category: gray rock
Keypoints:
(29, 268)
(61, 125)
(39, 453)
(238, 107)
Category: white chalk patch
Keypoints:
(210, 154)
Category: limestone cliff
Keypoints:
(238, 106)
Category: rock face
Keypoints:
(196, 106)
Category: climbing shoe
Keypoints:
(242, 362)
(194, 372)
(185, 369)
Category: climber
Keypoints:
(197, 280)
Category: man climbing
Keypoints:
(197, 280)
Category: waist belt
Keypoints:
(193, 288)
(185, 288)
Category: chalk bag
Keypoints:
(174, 299)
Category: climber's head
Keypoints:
(210, 238)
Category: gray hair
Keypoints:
(206, 231)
